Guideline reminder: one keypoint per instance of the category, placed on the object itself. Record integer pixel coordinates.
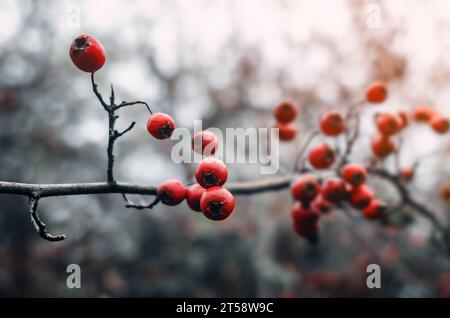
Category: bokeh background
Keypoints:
(227, 62)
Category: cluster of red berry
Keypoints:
(285, 113)
(208, 196)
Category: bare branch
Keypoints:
(125, 104)
(39, 225)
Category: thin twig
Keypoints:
(38, 224)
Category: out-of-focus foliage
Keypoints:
(228, 63)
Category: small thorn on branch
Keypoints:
(119, 134)
(39, 225)
(125, 104)
(112, 98)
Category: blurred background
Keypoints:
(227, 62)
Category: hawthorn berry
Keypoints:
(354, 174)
(287, 132)
(193, 196)
(217, 203)
(445, 192)
(388, 124)
(361, 196)
(377, 92)
(304, 215)
(305, 189)
(375, 209)
(334, 190)
(439, 124)
(383, 146)
(308, 230)
(160, 125)
(321, 205)
(321, 156)
(171, 192)
(211, 172)
(87, 53)
(423, 113)
(205, 143)
(406, 173)
(285, 112)
(332, 124)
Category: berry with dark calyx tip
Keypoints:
(205, 143)
(423, 113)
(361, 196)
(321, 205)
(382, 146)
(406, 173)
(171, 192)
(285, 112)
(217, 203)
(377, 92)
(388, 124)
(87, 53)
(304, 215)
(374, 210)
(211, 172)
(354, 174)
(439, 123)
(321, 156)
(287, 132)
(332, 124)
(334, 190)
(160, 125)
(193, 196)
(305, 189)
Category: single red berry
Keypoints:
(332, 124)
(87, 53)
(439, 123)
(388, 124)
(321, 205)
(334, 190)
(171, 192)
(377, 92)
(211, 172)
(375, 209)
(382, 146)
(407, 173)
(304, 215)
(445, 192)
(205, 143)
(305, 189)
(354, 174)
(287, 132)
(321, 156)
(160, 125)
(361, 196)
(423, 113)
(193, 196)
(285, 112)
(217, 203)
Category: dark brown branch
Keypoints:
(38, 224)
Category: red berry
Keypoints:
(334, 190)
(321, 205)
(332, 124)
(439, 124)
(285, 112)
(287, 132)
(211, 172)
(321, 156)
(160, 125)
(361, 196)
(193, 196)
(406, 173)
(306, 230)
(445, 192)
(87, 53)
(375, 209)
(304, 215)
(388, 124)
(217, 203)
(354, 174)
(376, 92)
(423, 113)
(171, 192)
(305, 189)
(205, 143)
(382, 146)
